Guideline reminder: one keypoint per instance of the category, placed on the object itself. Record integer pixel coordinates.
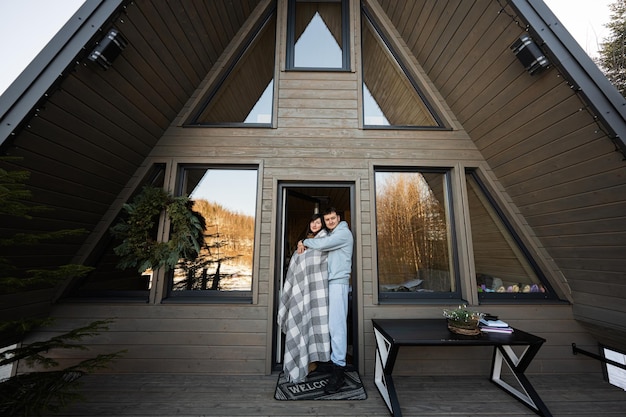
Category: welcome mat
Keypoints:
(313, 388)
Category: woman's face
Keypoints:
(316, 225)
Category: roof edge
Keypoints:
(52, 63)
(608, 104)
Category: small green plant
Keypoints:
(462, 314)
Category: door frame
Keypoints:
(280, 261)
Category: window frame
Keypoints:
(155, 175)
(455, 296)
(367, 17)
(232, 64)
(487, 297)
(291, 43)
(213, 296)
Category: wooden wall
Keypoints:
(502, 122)
(559, 168)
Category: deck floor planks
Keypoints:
(427, 396)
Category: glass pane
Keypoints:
(227, 200)
(501, 267)
(107, 279)
(318, 35)
(413, 233)
(372, 114)
(246, 95)
(389, 95)
(261, 113)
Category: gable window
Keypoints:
(318, 35)
(224, 266)
(108, 279)
(244, 93)
(391, 95)
(504, 267)
(414, 234)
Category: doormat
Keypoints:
(313, 388)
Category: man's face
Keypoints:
(331, 220)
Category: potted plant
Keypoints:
(462, 320)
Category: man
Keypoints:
(338, 244)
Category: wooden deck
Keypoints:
(209, 395)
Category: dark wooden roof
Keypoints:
(550, 139)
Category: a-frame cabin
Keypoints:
(509, 173)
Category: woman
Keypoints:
(303, 308)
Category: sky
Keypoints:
(27, 25)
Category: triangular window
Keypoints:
(504, 266)
(107, 279)
(391, 97)
(245, 91)
(318, 35)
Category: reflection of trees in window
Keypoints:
(412, 233)
(225, 261)
(226, 198)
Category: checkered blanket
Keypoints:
(303, 313)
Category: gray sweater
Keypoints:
(339, 245)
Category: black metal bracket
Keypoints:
(576, 350)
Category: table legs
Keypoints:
(386, 354)
(518, 364)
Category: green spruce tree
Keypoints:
(612, 59)
(42, 390)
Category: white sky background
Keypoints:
(27, 25)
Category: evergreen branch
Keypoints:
(26, 239)
(33, 393)
(31, 352)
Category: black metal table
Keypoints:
(393, 333)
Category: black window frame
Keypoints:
(452, 297)
(367, 16)
(210, 296)
(345, 39)
(193, 120)
(490, 297)
(154, 177)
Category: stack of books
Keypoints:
(492, 324)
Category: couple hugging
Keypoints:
(313, 306)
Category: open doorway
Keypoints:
(297, 203)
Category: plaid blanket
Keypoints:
(303, 313)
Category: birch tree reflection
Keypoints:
(412, 231)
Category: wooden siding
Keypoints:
(120, 119)
(579, 395)
(317, 138)
(93, 132)
(172, 338)
(557, 165)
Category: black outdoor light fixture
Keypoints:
(530, 55)
(108, 49)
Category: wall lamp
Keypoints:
(108, 49)
(530, 55)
